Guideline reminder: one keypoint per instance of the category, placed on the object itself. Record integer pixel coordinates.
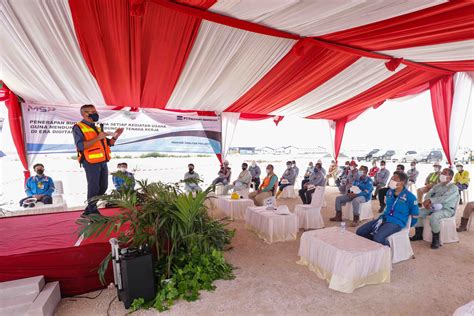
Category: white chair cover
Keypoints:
(465, 310)
(220, 189)
(243, 192)
(448, 233)
(58, 186)
(365, 211)
(288, 192)
(400, 244)
(309, 216)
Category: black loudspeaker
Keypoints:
(133, 274)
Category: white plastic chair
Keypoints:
(309, 215)
(448, 233)
(288, 192)
(400, 245)
(220, 189)
(365, 211)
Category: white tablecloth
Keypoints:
(271, 226)
(345, 260)
(235, 209)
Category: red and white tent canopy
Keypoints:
(307, 58)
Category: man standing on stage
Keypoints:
(93, 153)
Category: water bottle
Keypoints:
(343, 227)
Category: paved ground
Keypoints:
(268, 281)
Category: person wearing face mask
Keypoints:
(223, 176)
(120, 178)
(295, 169)
(93, 152)
(352, 175)
(380, 179)
(383, 191)
(373, 171)
(322, 168)
(191, 180)
(316, 179)
(288, 178)
(332, 172)
(242, 182)
(401, 204)
(255, 172)
(266, 189)
(412, 173)
(308, 173)
(440, 202)
(342, 175)
(431, 180)
(461, 180)
(365, 185)
(40, 187)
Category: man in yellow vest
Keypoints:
(93, 152)
(431, 180)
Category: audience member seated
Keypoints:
(308, 173)
(468, 210)
(401, 203)
(120, 179)
(440, 202)
(295, 168)
(255, 172)
(383, 191)
(315, 180)
(412, 173)
(380, 179)
(352, 175)
(431, 180)
(39, 187)
(461, 180)
(373, 171)
(242, 182)
(342, 174)
(322, 168)
(288, 178)
(332, 173)
(365, 185)
(191, 180)
(223, 176)
(266, 189)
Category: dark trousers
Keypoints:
(97, 183)
(306, 195)
(384, 231)
(282, 186)
(382, 194)
(257, 183)
(46, 199)
(305, 180)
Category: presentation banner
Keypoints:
(48, 130)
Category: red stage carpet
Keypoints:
(45, 245)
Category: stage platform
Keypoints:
(48, 245)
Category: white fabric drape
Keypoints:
(224, 63)
(463, 99)
(229, 123)
(317, 17)
(463, 50)
(355, 79)
(41, 58)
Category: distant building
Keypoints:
(242, 150)
(265, 150)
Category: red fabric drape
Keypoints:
(442, 92)
(457, 66)
(303, 69)
(15, 119)
(145, 52)
(448, 22)
(338, 135)
(404, 80)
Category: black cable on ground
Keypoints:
(89, 297)
(110, 304)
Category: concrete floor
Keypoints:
(268, 281)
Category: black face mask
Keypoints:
(94, 116)
(191, 170)
(244, 168)
(40, 172)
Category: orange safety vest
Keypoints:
(266, 182)
(99, 151)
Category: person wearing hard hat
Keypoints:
(431, 180)
(461, 180)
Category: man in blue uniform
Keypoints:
(40, 187)
(401, 204)
(120, 179)
(365, 186)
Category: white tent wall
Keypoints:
(229, 124)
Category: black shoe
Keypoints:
(418, 234)
(419, 204)
(373, 197)
(382, 208)
(435, 243)
(460, 202)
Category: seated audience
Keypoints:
(295, 168)
(383, 191)
(315, 180)
(461, 180)
(380, 179)
(308, 173)
(266, 189)
(255, 172)
(332, 172)
(119, 179)
(40, 187)
(431, 180)
(352, 175)
(401, 203)
(322, 168)
(412, 173)
(242, 182)
(468, 210)
(288, 178)
(373, 171)
(365, 186)
(191, 180)
(223, 176)
(440, 202)
(342, 174)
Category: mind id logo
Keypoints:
(40, 108)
